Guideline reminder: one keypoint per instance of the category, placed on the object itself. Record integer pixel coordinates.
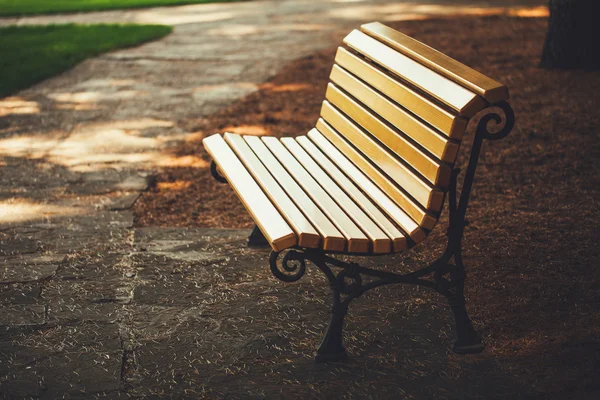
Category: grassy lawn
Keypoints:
(33, 53)
(27, 7)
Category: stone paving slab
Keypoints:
(77, 361)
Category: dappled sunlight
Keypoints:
(28, 146)
(194, 137)
(535, 12)
(77, 106)
(236, 30)
(96, 146)
(286, 87)
(182, 162)
(405, 12)
(149, 159)
(90, 161)
(21, 210)
(90, 97)
(181, 16)
(104, 83)
(18, 106)
(172, 186)
(101, 140)
(254, 130)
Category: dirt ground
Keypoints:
(531, 249)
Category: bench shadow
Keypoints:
(234, 331)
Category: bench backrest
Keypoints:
(399, 109)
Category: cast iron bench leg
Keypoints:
(256, 238)
(467, 339)
(331, 348)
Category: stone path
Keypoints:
(90, 305)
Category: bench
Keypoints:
(372, 177)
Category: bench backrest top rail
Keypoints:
(475, 81)
(398, 109)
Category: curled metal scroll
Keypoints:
(509, 117)
(215, 172)
(292, 268)
(354, 287)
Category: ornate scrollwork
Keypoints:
(292, 268)
(215, 172)
(509, 118)
(349, 281)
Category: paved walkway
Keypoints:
(90, 305)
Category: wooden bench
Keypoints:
(372, 177)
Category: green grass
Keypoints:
(29, 54)
(28, 7)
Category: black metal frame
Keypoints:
(446, 278)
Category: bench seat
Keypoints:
(304, 192)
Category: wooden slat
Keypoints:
(422, 192)
(475, 81)
(357, 168)
(267, 218)
(420, 216)
(307, 235)
(447, 123)
(452, 94)
(398, 238)
(440, 146)
(380, 242)
(435, 172)
(357, 241)
(332, 239)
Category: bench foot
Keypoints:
(467, 339)
(468, 348)
(257, 239)
(331, 348)
(331, 357)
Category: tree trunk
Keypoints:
(573, 38)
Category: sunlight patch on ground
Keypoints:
(235, 30)
(27, 146)
(21, 210)
(238, 30)
(530, 12)
(104, 83)
(177, 185)
(182, 162)
(112, 144)
(18, 105)
(287, 87)
(404, 12)
(142, 123)
(78, 106)
(90, 97)
(100, 140)
(181, 16)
